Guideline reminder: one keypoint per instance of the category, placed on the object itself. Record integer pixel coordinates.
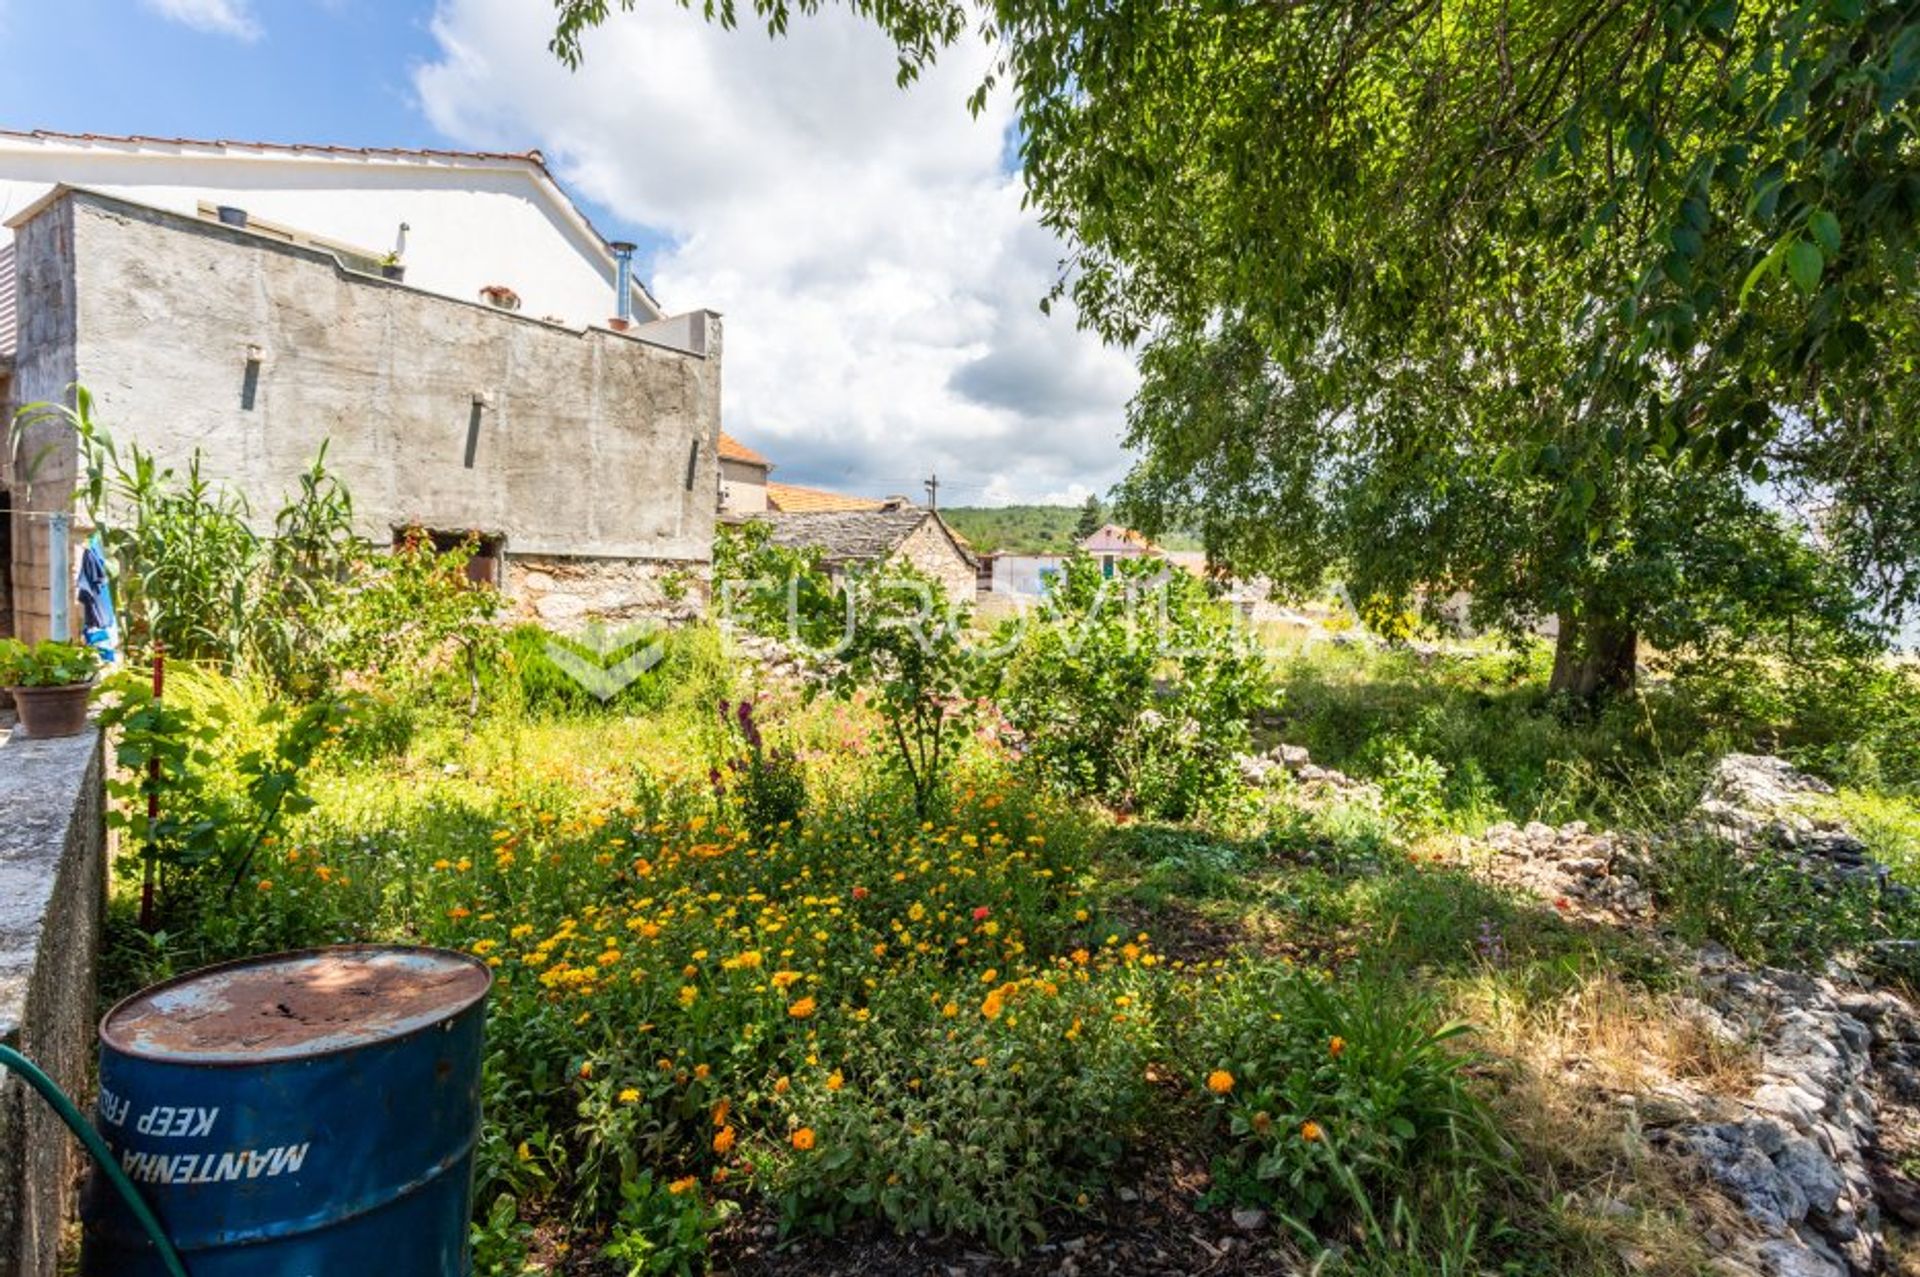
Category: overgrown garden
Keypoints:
(962, 934)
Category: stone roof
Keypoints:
(855, 536)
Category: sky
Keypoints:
(880, 281)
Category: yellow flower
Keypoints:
(688, 994)
(950, 1010)
(1220, 1081)
(784, 979)
(803, 1139)
(629, 1096)
(835, 1080)
(801, 1009)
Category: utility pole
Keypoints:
(932, 486)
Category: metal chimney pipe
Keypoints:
(623, 282)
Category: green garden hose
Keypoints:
(102, 1155)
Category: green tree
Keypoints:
(1574, 277)
(1091, 517)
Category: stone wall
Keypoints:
(435, 412)
(52, 892)
(564, 593)
(929, 549)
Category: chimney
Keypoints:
(623, 285)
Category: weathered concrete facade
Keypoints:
(52, 894)
(584, 444)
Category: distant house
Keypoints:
(891, 534)
(743, 477)
(478, 360)
(1111, 542)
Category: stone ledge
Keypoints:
(52, 894)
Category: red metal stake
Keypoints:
(153, 800)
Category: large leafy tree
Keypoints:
(1547, 299)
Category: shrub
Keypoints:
(966, 1124)
(1337, 1100)
(766, 785)
(1135, 690)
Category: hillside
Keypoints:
(1031, 529)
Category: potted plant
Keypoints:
(391, 267)
(50, 683)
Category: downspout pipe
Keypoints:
(623, 281)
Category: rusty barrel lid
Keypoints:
(288, 1006)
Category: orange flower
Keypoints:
(686, 1185)
(803, 1139)
(1335, 1046)
(801, 1009)
(1220, 1081)
(835, 1081)
(723, 1140)
(1311, 1132)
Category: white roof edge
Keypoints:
(532, 164)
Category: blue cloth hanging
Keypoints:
(100, 626)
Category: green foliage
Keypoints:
(46, 663)
(1344, 1103)
(1039, 529)
(773, 590)
(195, 806)
(1558, 287)
(908, 653)
(661, 1228)
(1136, 690)
(1766, 906)
(1015, 1118)
(765, 784)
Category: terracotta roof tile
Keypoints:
(731, 449)
(791, 498)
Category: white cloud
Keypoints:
(880, 281)
(216, 17)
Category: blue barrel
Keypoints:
(307, 1114)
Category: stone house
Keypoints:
(236, 300)
(895, 533)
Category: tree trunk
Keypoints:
(1593, 656)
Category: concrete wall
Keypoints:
(449, 415)
(929, 549)
(743, 487)
(1025, 575)
(52, 892)
(472, 221)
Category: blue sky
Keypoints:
(879, 276)
(312, 71)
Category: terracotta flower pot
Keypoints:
(52, 711)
